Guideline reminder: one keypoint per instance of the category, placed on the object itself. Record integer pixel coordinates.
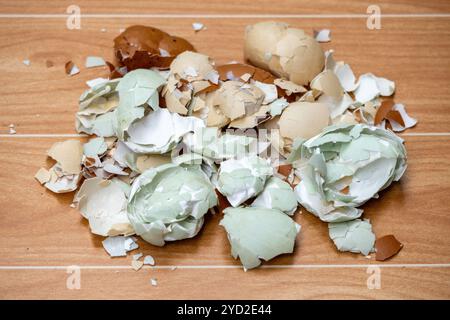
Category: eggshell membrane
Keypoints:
(139, 47)
(284, 51)
(303, 120)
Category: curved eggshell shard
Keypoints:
(257, 234)
(387, 247)
(260, 43)
(354, 236)
(145, 47)
(383, 110)
(303, 120)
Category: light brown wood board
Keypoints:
(40, 235)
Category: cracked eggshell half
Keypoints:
(286, 52)
(242, 179)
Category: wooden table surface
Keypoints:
(40, 235)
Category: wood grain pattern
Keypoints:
(225, 7)
(230, 284)
(38, 228)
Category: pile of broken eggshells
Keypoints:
(175, 137)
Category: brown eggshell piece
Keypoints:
(239, 69)
(284, 51)
(386, 247)
(346, 190)
(68, 66)
(113, 71)
(395, 116)
(175, 45)
(285, 169)
(211, 88)
(383, 110)
(142, 46)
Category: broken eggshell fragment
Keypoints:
(118, 246)
(65, 174)
(345, 166)
(68, 154)
(159, 131)
(370, 86)
(146, 47)
(302, 120)
(395, 114)
(236, 99)
(95, 109)
(235, 71)
(286, 52)
(354, 236)
(138, 95)
(257, 234)
(59, 181)
(277, 194)
(104, 204)
(167, 203)
(244, 178)
(387, 247)
(210, 143)
(192, 66)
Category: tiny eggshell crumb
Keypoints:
(136, 264)
(197, 26)
(149, 260)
